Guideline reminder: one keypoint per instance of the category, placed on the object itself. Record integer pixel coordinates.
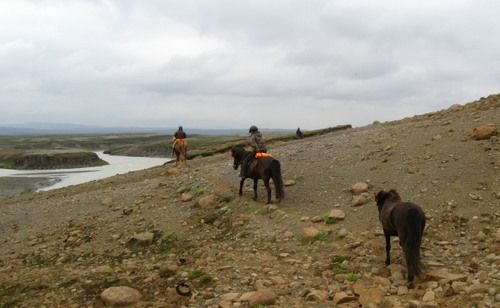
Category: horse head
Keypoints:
(383, 196)
(237, 153)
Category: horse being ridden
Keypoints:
(264, 168)
(180, 145)
(405, 220)
(180, 150)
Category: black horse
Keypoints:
(264, 168)
(406, 220)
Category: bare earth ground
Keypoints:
(62, 248)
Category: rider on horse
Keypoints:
(179, 136)
(258, 145)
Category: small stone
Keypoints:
(402, 290)
(310, 232)
(186, 197)
(121, 296)
(290, 183)
(316, 219)
(140, 240)
(107, 201)
(336, 215)
(262, 297)
(317, 296)
(271, 208)
(230, 297)
(360, 200)
(342, 297)
(371, 295)
(206, 201)
(429, 296)
(359, 188)
(443, 274)
(480, 237)
(497, 297)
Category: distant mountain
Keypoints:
(72, 129)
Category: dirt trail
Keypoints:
(63, 248)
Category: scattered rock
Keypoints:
(359, 188)
(289, 183)
(262, 297)
(186, 197)
(316, 219)
(484, 132)
(336, 215)
(206, 201)
(342, 297)
(120, 296)
(360, 200)
(230, 297)
(371, 295)
(444, 274)
(107, 201)
(429, 296)
(317, 296)
(310, 233)
(140, 240)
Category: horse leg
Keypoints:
(388, 249)
(241, 186)
(266, 183)
(255, 189)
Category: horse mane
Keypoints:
(382, 196)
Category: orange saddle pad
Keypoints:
(261, 155)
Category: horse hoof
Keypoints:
(411, 285)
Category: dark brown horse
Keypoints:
(405, 220)
(264, 168)
(180, 150)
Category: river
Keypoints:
(65, 177)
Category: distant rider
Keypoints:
(258, 145)
(179, 136)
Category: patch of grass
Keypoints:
(225, 258)
(166, 273)
(321, 236)
(67, 283)
(262, 211)
(183, 189)
(210, 218)
(9, 304)
(327, 219)
(170, 243)
(352, 277)
(340, 259)
(200, 276)
(244, 234)
(226, 199)
(7, 164)
(198, 190)
(339, 269)
(337, 266)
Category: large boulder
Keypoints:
(262, 297)
(141, 240)
(359, 188)
(120, 296)
(484, 132)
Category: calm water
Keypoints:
(117, 165)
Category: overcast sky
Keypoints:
(230, 64)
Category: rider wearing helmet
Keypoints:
(258, 145)
(179, 136)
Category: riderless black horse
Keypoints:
(405, 220)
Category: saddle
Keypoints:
(261, 155)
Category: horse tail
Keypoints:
(277, 179)
(416, 223)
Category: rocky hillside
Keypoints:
(134, 238)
